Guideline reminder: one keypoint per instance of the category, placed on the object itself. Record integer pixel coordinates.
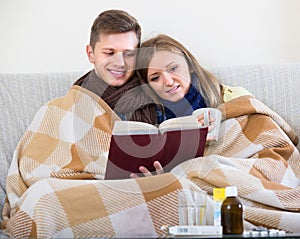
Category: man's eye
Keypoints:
(109, 53)
(129, 54)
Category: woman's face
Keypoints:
(169, 75)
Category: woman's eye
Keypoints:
(155, 78)
(173, 68)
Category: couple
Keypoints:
(175, 83)
(51, 186)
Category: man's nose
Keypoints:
(118, 59)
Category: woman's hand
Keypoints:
(158, 169)
(210, 123)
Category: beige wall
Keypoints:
(44, 35)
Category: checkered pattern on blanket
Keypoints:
(55, 190)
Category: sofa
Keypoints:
(22, 94)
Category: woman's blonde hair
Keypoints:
(207, 83)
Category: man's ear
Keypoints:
(90, 53)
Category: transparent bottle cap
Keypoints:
(231, 191)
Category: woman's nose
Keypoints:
(168, 79)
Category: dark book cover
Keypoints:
(128, 152)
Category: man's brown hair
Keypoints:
(114, 21)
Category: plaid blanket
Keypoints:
(54, 186)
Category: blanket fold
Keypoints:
(55, 187)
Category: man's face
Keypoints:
(114, 57)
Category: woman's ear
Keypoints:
(90, 53)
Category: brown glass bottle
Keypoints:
(232, 212)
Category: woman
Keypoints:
(176, 82)
(256, 151)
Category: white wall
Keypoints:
(51, 35)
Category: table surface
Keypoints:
(287, 235)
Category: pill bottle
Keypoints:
(232, 212)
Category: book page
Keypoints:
(186, 122)
(133, 127)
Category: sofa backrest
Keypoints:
(276, 85)
(22, 95)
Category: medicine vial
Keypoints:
(219, 196)
(232, 212)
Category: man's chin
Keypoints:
(118, 82)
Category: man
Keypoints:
(115, 37)
(69, 136)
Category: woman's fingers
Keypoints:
(158, 168)
(145, 171)
(202, 121)
(133, 175)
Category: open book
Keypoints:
(134, 144)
